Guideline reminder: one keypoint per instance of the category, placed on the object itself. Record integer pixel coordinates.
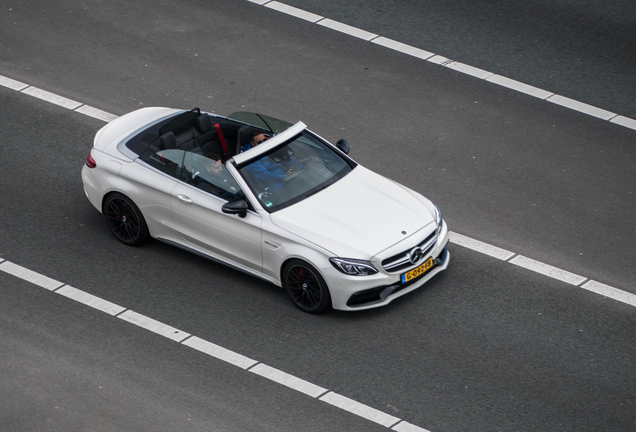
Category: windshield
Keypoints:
(261, 121)
(294, 171)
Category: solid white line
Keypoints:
(90, 300)
(581, 107)
(548, 270)
(259, 2)
(30, 276)
(408, 427)
(153, 325)
(219, 352)
(519, 86)
(359, 409)
(51, 97)
(12, 84)
(293, 11)
(347, 29)
(403, 48)
(96, 113)
(611, 292)
(481, 247)
(288, 380)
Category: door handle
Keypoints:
(184, 198)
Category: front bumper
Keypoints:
(367, 292)
(371, 297)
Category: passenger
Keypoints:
(215, 179)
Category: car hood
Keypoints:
(358, 216)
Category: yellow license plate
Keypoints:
(419, 270)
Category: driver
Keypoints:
(267, 174)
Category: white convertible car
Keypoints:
(268, 198)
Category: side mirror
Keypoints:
(343, 145)
(238, 207)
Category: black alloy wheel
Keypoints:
(125, 220)
(306, 287)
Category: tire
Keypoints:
(306, 287)
(125, 220)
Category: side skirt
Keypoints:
(217, 260)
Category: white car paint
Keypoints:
(361, 216)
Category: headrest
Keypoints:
(203, 123)
(167, 141)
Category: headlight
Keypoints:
(438, 219)
(353, 267)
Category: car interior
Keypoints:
(193, 131)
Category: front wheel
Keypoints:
(306, 287)
(125, 220)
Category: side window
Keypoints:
(210, 174)
(168, 161)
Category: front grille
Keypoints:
(402, 260)
(379, 294)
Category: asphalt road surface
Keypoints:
(576, 48)
(484, 346)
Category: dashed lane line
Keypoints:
(220, 353)
(211, 349)
(288, 380)
(90, 300)
(30, 276)
(56, 99)
(451, 64)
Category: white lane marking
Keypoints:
(469, 70)
(30, 276)
(439, 60)
(451, 64)
(52, 97)
(154, 326)
(347, 29)
(293, 11)
(219, 352)
(12, 84)
(582, 107)
(254, 366)
(611, 292)
(359, 409)
(96, 113)
(548, 270)
(90, 300)
(519, 86)
(408, 427)
(402, 47)
(481, 247)
(288, 380)
(624, 121)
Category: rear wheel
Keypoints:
(125, 220)
(306, 287)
